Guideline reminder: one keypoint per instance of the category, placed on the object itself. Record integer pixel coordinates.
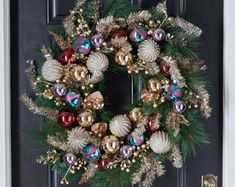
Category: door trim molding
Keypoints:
(228, 93)
(5, 133)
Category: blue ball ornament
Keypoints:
(82, 45)
(138, 34)
(136, 140)
(173, 92)
(91, 153)
(73, 98)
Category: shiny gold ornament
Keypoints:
(154, 85)
(80, 72)
(148, 96)
(85, 119)
(135, 114)
(99, 129)
(122, 58)
(95, 101)
(110, 144)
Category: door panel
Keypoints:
(30, 22)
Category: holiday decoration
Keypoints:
(88, 143)
(120, 126)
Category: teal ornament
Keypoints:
(173, 92)
(136, 140)
(138, 34)
(82, 45)
(73, 98)
(91, 153)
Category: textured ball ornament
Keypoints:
(73, 98)
(126, 151)
(52, 70)
(154, 85)
(173, 92)
(119, 33)
(151, 123)
(138, 34)
(91, 153)
(135, 114)
(99, 129)
(148, 51)
(136, 140)
(120, 126)
(110, 144)
(122, 58)
(60, 89)
(70, 158)
(85, 119)
(158, 34)
(66, 118)
(66, 56)
(77, 138)
(179, 106)
(97, 62)
(80, 72)
(97, 40)
(159, 142)
(81, 45)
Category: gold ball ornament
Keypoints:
(159, 142)
(122, 58)
(85, 119)
(154, 85)
(135, 114)
(148, 51)
(110, 144)
(52, 70)
(97, 62)
(99, 129)
(120, 126)
(80, 72)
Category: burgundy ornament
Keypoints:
(119, 33)
(165, 69)
(66, 56)
(66, 118)
(151, 126)
(103, 162)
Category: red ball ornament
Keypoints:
(66, 56)
(119, 33)
(151, 125)
(66, 119)
(103, 162)
(166, 69)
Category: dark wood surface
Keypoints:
(30, 22)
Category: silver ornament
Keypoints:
(158, 34)
(52, 70)
(179, 106)
(60, 89)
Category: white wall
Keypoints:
(5, 146)
(229, 95)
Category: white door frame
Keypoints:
(5, 138)
(229, 95)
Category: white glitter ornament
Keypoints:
(52, 70)
(120, 126)
(159, 142)
(97, 62)
(78, 138)
(148, 51)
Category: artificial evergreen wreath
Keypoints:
(83, 141)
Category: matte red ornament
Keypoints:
(151, 124)
(66, 56)
(119, 33)
(66, 119)
(166, 69)
(103, 162)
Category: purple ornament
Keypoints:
(179, 106)
(97, 40)
(126, 151)
(138, 34)
(158, 34)
(60, 89)
(136, 140)
(91, 153)
(70, 158)
(173, 92)
(81, 45)
(74, 98)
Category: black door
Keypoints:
(30, 22)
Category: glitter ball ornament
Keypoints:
(159, 142)
(70, 158)
(148, 51)
(138, 34)
(99, 129)
(67, 56)
(119, 33)
(85, 119)
(152, 125)
(158, 34)
(97, 40)
(136, 140)
(60, 89)
(81, 45)
(97, 62)
(173, 92)
(80, 72)
(179, 106)
(122, 58)
(77, 138)
(126, 151)
(110, 144)
(120, 126)
(154, 85)
(66, 118)
(135, 114)
(73, 98)
(52, 70)
(91, 153)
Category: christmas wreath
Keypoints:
(83, 141)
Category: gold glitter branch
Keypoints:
(133, 18)
(89, 173)
(64, 44)
(175, 156)
(49, 113)
(32, 74)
